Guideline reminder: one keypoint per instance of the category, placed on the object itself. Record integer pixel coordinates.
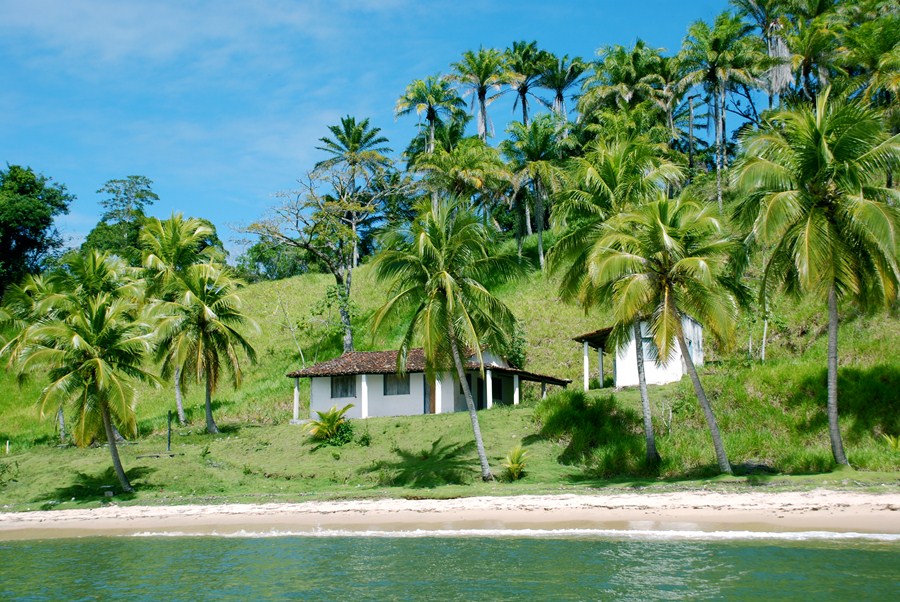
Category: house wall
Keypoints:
(379, 403)
(626, 372)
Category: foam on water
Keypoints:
(645, 534)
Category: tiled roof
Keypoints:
(385, 362)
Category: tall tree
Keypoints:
(559, 76)
(663, 260)
(432, 97)
(200, 331)
(171, 247)
(28, 204)
(534, 153)
(438, 269)
(525, 63)
(622, 78)
(613, 176)
(119, 228)
(716, 57)
(481, 74)
(811, 178)
(92, 344)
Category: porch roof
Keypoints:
(596, 339)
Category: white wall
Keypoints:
(396, 405)
(626, 372)
(321, 401)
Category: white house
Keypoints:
(369, 380)
(625, 372)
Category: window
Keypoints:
(395, 384)
(343, 386)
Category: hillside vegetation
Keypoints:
(772, 414)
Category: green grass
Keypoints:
(772, 416)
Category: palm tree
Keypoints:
(525, 64)
(661, 261)
(482, 75)
(622, 78)
(716, 57)
(200, 330)
(533, 151)
(809, 176)
(170, 248)
(353, 144)
(432, 97)
(438, 269)
(559, 76)
(92, 346)
(612, 176)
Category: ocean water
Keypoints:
(438, 566)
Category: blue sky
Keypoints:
(222, 103)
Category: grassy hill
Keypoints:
(772, 414)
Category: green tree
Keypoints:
(809, 180)
(622, 78)
(658, 262)
(91, 341)
(613, 176)
(28, 204)
(559, 76)
(171, 247)
(438, 269)
(481, 74)
(199, 332)
(432, 97)
(716, 57)
(119, 229)
(534, 151)
(525, 63)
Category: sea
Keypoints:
(455, 565)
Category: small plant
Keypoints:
(514, 464)
(365, 440)
(332, 427)
(893, 441)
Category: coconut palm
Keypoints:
(353, 144)
(92, 347)
(809, 176)
(432, 97)
(559, 76)
(622, 78)
(716, 57)
(170, 248)
(612, 176)
(438, 268)
(533, 151)
(525, 64)
(199, 331)
(481, 74)
(658, 262)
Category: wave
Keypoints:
(639, 534)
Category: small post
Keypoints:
(515, 389)
(543, 390)
(169, 431)
(364, 404)
(7, 447)
(437, 393)
(489, 389)
(296, 419)
(600, 359)
(587, 367)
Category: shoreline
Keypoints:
(818, 510)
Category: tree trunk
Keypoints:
(211, 427)
(721, 457)
(179, 402)
(719, 136)
(522, 96)
(539, 219)
(482, 116)
(61, 421)
(653, 459)
(528, 229)
(762, 348)
(344, 282)
(486, 474)
(834, 428)
(113, 451)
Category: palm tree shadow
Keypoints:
(442, 464)
(88, 488)
(867, 399)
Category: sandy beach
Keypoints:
(818, 510)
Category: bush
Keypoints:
(514, 464)
(332, 427)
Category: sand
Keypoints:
(817, 510)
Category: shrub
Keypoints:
(332, 427)
(514, 464)
(893, 441)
